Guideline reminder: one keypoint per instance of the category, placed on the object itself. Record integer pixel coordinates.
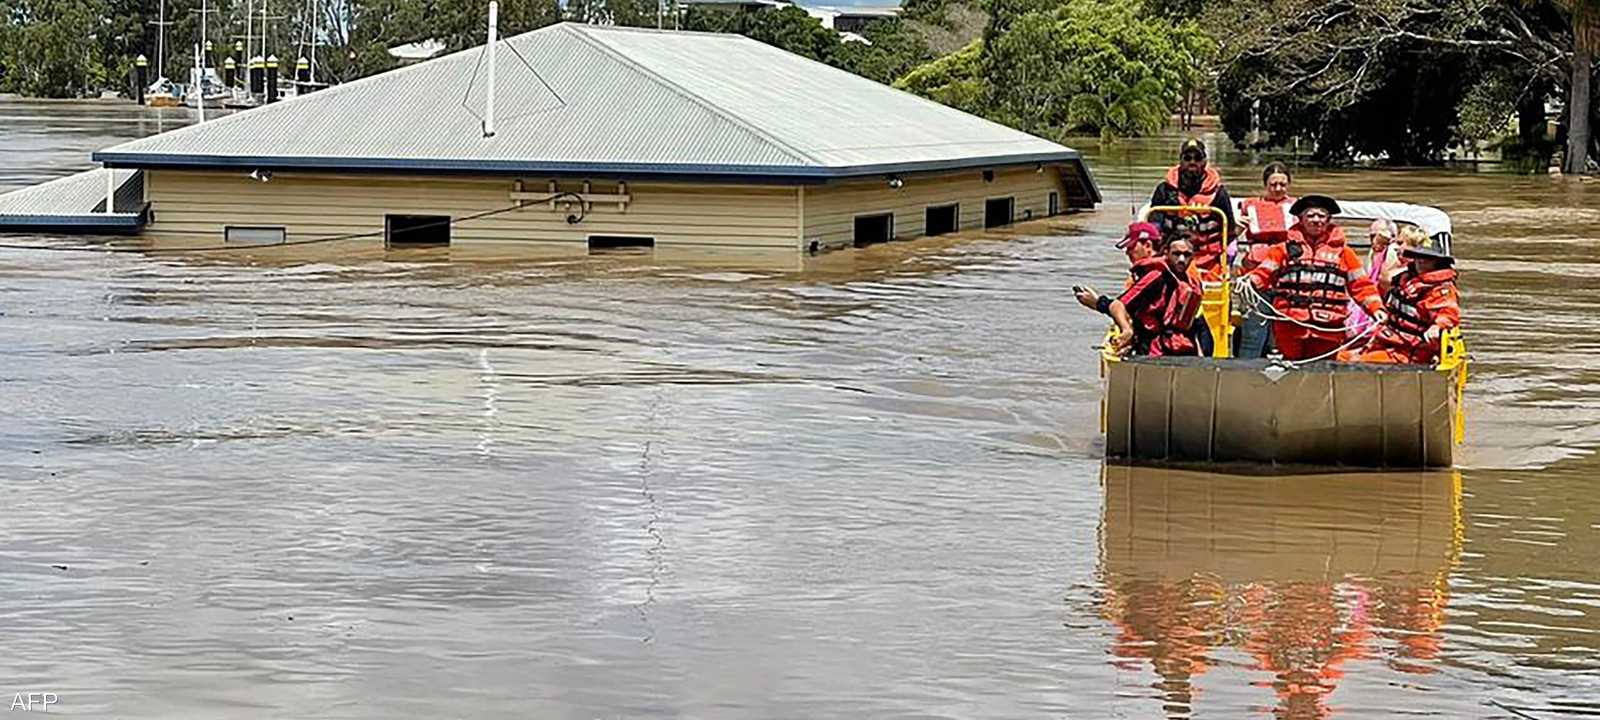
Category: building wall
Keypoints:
(198, 205)
(830, 210)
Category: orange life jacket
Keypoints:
(1269, 224)
(1314, 285)
(1176, 313)
(1410, 314)
(1209, 251)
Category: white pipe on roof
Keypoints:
(111, 190)
(494, 21)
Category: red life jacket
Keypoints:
(1269, 225)
(1167, 322)
(1314, 286)
(1209, 250)
(1409, 320)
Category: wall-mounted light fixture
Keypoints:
(988, 176)
(260, 175)
(895, 182)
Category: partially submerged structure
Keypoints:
(577, 136)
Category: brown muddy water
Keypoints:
(279, 486)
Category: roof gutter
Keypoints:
(759, 174)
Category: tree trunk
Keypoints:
(1531, 124)
(1578, 108)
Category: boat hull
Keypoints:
(1203, 410)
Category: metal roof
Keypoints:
(586, 99)
(76, 201)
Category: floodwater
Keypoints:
(264, 486)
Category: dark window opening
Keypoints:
(998, 211)
(1055, 204)
(417, 230)
(874, 229)
(942, 219)
(621, 243)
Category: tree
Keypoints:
(1583, 17)
(50, 47)
(892, 49)
(955, 79)
(1379, 78)
(788, 28)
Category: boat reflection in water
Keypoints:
(1286, 581)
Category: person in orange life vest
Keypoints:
(1155, 314)
(1266, 220)
(1311, 279)
(1194, 182)
(1422, 303)
(1140, 243)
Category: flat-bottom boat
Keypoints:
(1325, 413)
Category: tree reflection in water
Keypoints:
(1289, 579)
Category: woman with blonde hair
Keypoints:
(1409, 238)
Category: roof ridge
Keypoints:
(739, 122)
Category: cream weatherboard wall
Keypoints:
(201, 204)
(830, 210)
(197, 206)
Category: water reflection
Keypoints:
(1291, 579)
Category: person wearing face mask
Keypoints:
(1194, 182)
(1311, 278)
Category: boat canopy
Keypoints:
(1432, 220)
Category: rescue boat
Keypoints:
(1220, 409)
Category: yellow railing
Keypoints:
(1216, 305)
(1453, 361)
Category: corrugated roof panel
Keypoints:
(836, 117)
(600, 110)
(581, 95)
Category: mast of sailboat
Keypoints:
(161, 41)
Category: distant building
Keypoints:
(416, 52)
(851, 20)
(655, 138)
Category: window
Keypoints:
(253, 235)
(620, 244)
(1055, 204)
(998, 211)
(874, 229)
(943, 219)
(416, 230)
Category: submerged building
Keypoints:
(575, 137)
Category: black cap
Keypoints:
(1428, 251)
(1315, 201)
(1192, 145)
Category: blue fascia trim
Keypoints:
(759, 174)
(94, 220)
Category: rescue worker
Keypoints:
(1266, 220)
(1311, 279)
(1194, 182)
(1422, 303)
(1155, 314)
(1140, 243)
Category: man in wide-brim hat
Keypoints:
(1422, 303)
(1311, 279)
